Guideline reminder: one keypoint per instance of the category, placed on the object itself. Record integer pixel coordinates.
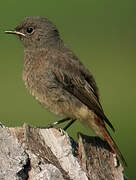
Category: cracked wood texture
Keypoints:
(50, 154)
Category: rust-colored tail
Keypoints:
(113, 146)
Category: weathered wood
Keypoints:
(50, 154)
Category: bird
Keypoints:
(56, 77)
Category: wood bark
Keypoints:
(50, 154)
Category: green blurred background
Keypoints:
(103, 35)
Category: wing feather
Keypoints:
(75, 83)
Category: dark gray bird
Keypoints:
(58, 80)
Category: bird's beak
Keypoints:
(15, 32)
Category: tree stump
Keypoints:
(50, 154)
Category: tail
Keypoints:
(113, 146)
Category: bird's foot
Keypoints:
(59, 122)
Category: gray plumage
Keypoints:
(58, 80)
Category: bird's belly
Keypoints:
(61, 103)
(58, 101)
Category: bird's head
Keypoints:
(36, 32)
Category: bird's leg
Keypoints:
(58, 122)
(69, 124)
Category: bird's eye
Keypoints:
(29, 30)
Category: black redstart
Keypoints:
(58, 80)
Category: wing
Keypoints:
(77, 80)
